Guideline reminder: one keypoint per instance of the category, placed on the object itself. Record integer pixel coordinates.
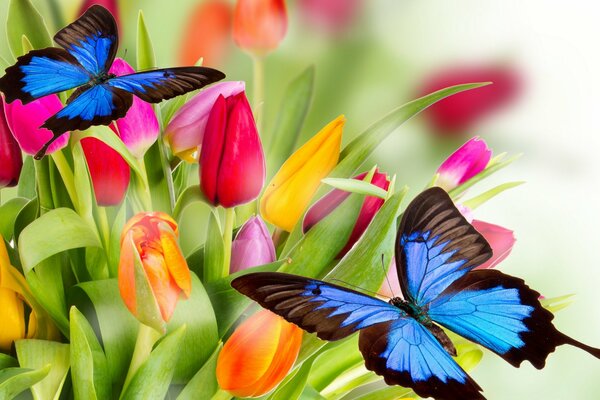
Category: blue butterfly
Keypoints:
(89, 48)
(402, 340)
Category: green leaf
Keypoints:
(294, 108)
(114, 246)
(4, 64)
(89, 367)
(388, 393)
(35, 354)
(554, 304)
(8, 216)
(83, 182)
(489, 170)
(157, 180)
(204, 384)
(486, 196)
(357, 151)
(191, 194)
(293, 385)
(214, 250)
(145, 51)
(469, 356)
(7, 361)
(356, 186)
(54, 232)
(26, 187)
(334, 360)
(24, 20)
(152, 380)
(15, 380)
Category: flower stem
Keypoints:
(167, 171)
(144, 194)
(146, 338)
(258, 94)
(44, 192)
(67, 176)
(221, 395)
(227, 239)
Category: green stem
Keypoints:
(258, 94)
(44, 192)
(104, 227)
(64, 169)
(168, 173)
(143, 347)
(144, 195)
(227, 239)
(221, 395)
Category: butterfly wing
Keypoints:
(92, 39)
(97, 105)
(333, 312)
(503, 314)
(161, 84)
(435, 246)
(40, 73)
(405, 353)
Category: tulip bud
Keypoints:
(139, 128)
(466, 162)
(232, 164)
(259, 25)
(501, 241)
(25, 120)
(109, 171)
(252, 246)
(458, 113)
(291, 189)
(186, 129)
(207, 34)
(11, 160)
(152, 271)
(258, 355)
(330, 201)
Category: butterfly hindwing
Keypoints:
(161, 84)
(435, 246)
(40, 73)
(333, 312)
(405, 353)
(98, 105)
(92, 39)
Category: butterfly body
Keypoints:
(403, 339)
(89, 47)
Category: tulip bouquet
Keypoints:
(97, 299)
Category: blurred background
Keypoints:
(371, 56)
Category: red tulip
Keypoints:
(460, 112)
(11, 159)
(207, 33)
(232, 165)
(259, 25)
(330, 201)
(109, 172)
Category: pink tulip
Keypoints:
(11, 160)
(25, 121)
(186, 129)
(110, 5)
(460, 112)
(333, 16)
(252, 246)
(232, 164)
(466, 162)
(330, 201)
(500, 239)
(139, 128)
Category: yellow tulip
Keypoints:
(291, 189)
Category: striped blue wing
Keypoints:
(92, 39)
(333, 312)
(405, 353)
(161, 84)
(435, 246)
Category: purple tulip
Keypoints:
(252, 246)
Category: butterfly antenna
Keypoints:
(386, 275)
(355, 287)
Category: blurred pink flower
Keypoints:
(457, 114)
(331, 200)
(11, 160)
(252, 246)
(333, 16)
(25, 121)
(186, 129)
(500, 239)
(139, 128)
(467, 161)
(110, 5)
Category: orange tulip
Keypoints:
(152, 271)
(258, 355)
(259, 25)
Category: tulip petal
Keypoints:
(212, 149)
(176, 263)
(466, 162)
(500, 239)
(164, 288)
(11, 160)
(12, 317)
(126, 272)
(252, 246)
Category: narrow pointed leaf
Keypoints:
(145, 51)
(36, 354)
(16, 380)
(24, 20)
(204, 384)
(488, 195)
(356, 186)
(214, 250)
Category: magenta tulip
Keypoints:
(11, 160)
(25, 121)
(186, 129)
(232, 164)
(500, 239)
(252, 246)
(466, 162)
(330, 201)
(139, 128)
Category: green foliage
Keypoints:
(24, 20)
